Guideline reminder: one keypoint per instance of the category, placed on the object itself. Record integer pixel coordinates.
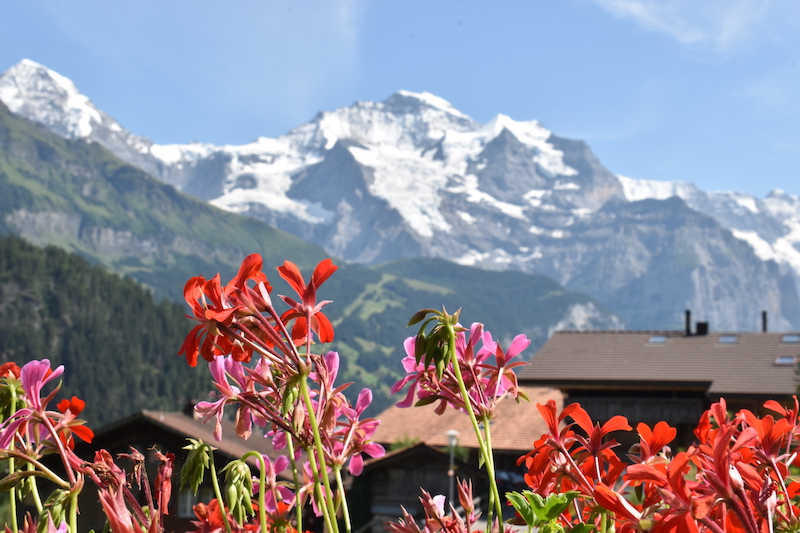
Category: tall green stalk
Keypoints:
(218, 493)
(262, 482)
(345, 510)
(12, 494)
(495, 505)
(298, 509)
(318, 464)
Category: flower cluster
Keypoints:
(446, 365)
(487, 373)
(263, 363)
(736, 477)
(30, 430)
(437, 519)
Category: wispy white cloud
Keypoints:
(721, 24)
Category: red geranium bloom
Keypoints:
(72, 408)
(215, 306)
(9, 370)
(308, 307)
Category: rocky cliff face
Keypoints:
(412, 176)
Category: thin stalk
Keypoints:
(298, 509)
(710, 524)
(13, 492)
(218, 493)
(73, 511)
(62, 452)
(37, 500)
(490, 467)
(493, 492)
(345, 510)
(775, 469)
(136, 507)
(45, 472)
(321, 472)
(262, 481)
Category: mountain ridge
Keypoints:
(77, 195)
(412, 176)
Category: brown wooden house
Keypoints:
(394, 480)
(649, 376)
(166, 431)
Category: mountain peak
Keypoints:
(43, 95)
(407, 101)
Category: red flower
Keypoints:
(653, 441)
(74, 405)
(72, 408)
(9, 370)
(216, 308)
(308, 308)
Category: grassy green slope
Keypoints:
(79, 196)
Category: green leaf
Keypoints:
(524, 509)
(582, 528)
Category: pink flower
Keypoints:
(34, 376)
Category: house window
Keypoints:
(792, 338)
(785, 360)
(658, 339)
(727, 339)
(187, 501)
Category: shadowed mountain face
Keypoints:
(414, 177)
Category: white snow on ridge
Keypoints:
(781, 251)
(434, 101)
(535, 135)
(178, 154)
(408, 183)
(636, 190)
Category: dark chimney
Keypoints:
(688, 322)
(701, 328)
(764, 321)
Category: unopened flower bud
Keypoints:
(736, 478)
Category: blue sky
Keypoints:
(706, 92)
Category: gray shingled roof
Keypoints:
(750, 366)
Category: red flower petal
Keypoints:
(291, 274)
(323, 271)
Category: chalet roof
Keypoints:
(754, 364)
(516, 427)
(185, 426)
(413, 450)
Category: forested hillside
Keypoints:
(118, 345)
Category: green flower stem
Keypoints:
(13, 492)
(490, 467)
(262, 481)
(494, 500)
(329, 513)
(73, 511)
(345, 510)
(298, 509)
(218, 493)
(42, 471)
(37, 500)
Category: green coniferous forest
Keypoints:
(106, 330)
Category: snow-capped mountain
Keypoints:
(413, 176)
